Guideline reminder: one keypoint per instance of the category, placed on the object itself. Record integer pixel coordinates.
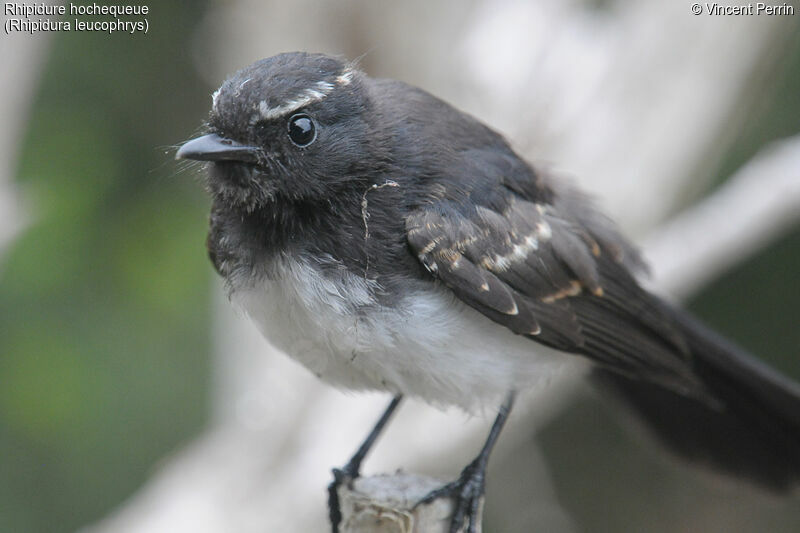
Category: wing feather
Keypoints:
(546, 265)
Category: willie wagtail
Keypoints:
(388, 241)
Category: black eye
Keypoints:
(302, 131)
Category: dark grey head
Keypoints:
(293, 127)
(304, 151)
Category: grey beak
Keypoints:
(215, 148)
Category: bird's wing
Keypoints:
(543, 263)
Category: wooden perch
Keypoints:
(385, 504)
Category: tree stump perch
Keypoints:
(385, 504)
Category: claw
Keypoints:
(353, 467)
(467, 493)
(340, 477)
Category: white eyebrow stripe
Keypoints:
(317, 92)
(345, 77)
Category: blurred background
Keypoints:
(133, 399)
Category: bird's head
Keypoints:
(292, 127)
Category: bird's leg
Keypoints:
(467, 490)
(351, 469)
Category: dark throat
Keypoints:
(367, 239)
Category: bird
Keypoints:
(389, 241)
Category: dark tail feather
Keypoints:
(754, 433)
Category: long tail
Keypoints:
(754, 433)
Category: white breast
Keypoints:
(431, 345)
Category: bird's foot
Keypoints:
(341, 476)
(467, 495)
(351, 470)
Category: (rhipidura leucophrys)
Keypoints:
(389, 241)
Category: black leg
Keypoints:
(353, 466)
(467, 490)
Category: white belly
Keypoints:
(431, 346)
